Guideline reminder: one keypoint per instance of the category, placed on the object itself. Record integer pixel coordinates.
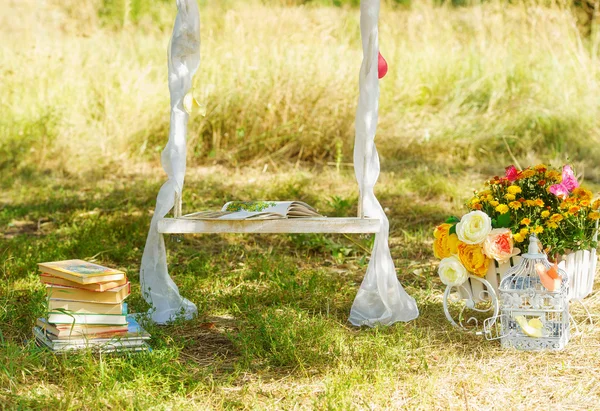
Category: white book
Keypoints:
(257, 210)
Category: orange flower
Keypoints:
(594, 215)
(526, 174)
(556, 218)
(574, 210)
(554, 175)
(525, 221)
(539, 202)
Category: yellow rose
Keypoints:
(445, 244)
(514, 189)
(545, 214)
(472, 257)
(502, 208)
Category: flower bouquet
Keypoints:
(538, 200)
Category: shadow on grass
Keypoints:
(265, 302)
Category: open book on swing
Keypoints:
(257, 210)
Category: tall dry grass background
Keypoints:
(83, 84)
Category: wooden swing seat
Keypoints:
(348, 225)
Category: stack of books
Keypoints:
(86, 309)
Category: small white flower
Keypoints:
(474, 227)
(452, 272)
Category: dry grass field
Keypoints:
(84, 105)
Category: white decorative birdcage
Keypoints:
(534, 311)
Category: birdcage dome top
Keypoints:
(525, 276)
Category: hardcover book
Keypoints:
(65, 317)
(131, 340)
(81, 272)
(66, 330)
(80, 307)
(112, 296)
(99, 287)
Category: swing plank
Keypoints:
(350, 225)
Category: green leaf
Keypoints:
(504, 220)
(452, 230)
(452, 220)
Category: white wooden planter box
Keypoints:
(579, 265)
(581, 268)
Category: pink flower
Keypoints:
(568, 184)
(559, 190)
(499, 245)
(568, 178)
(512, 173)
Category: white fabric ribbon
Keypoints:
(380, 299)
(158, 288)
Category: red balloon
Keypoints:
(382, 66)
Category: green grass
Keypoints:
(272, 330)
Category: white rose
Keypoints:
(474, 227)
(452, 272)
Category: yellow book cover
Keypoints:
(81, 272)
(112, 296)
